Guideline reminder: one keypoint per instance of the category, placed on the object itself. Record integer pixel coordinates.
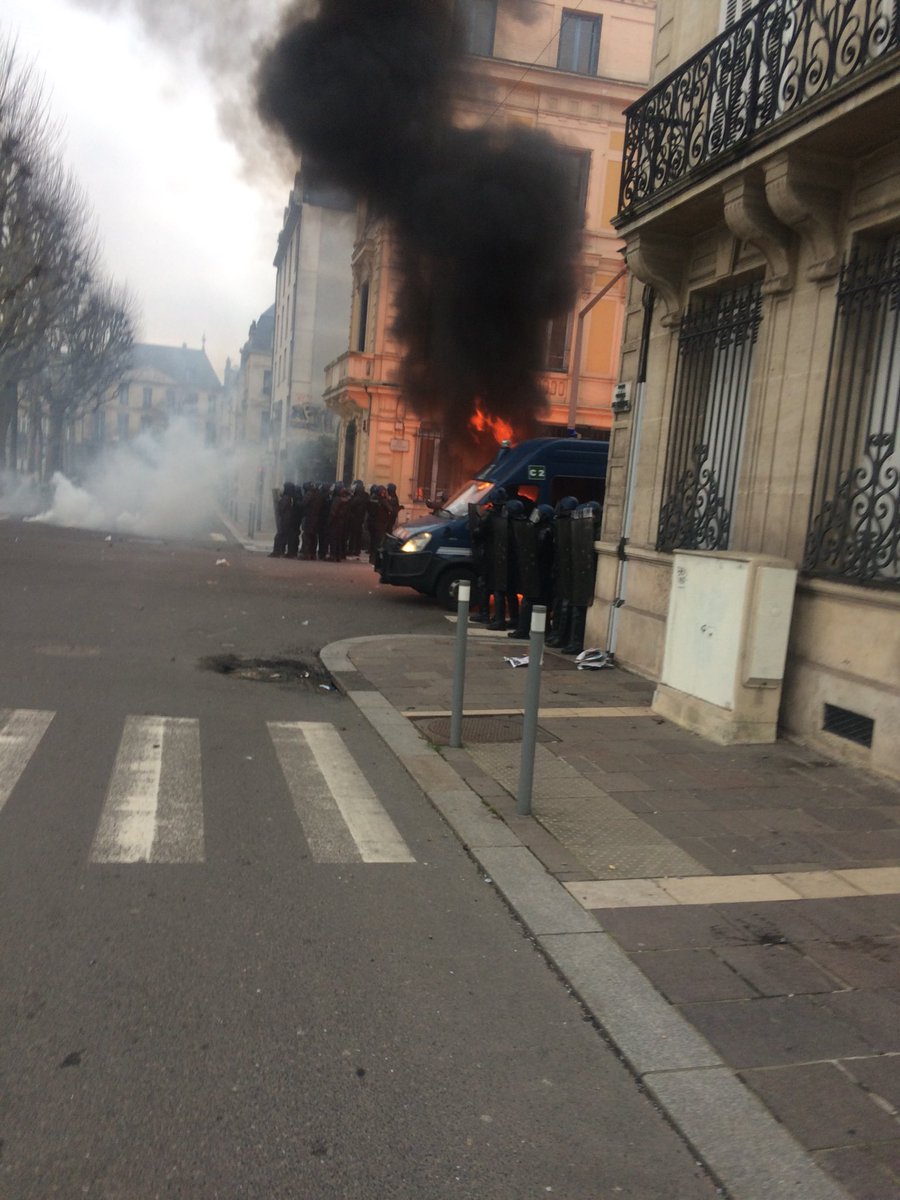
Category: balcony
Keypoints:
(784, 60)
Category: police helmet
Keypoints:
(566, 506)
(541, 514)
(590, 511)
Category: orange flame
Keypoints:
(482, 422)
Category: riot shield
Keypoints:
(525, 539)
(584, 559)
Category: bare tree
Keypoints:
(48, 249)
(88, 351)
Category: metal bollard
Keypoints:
(532, 704)
(251, 520)
(463, 595)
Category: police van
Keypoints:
(432, 554)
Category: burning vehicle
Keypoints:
(433, 554)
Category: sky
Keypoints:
(187, 215)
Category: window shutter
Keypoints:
(733, 10)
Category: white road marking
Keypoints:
(21, 729)
(341, 816)
(154, 807)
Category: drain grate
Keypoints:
(269, 670)
(479, 729)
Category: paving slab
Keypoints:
(822, 1106)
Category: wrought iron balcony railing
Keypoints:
(780, 56)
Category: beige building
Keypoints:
(760, 208)
(562, 71)
(161, 383)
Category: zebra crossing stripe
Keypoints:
(341, 816)
(21, 730)
(154, 807)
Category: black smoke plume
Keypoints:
(485, 218)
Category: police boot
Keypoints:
(576, 632)
(482, 603)
(499, 619)
(523, 624)
(561, 619)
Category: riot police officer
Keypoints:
(585, 529)
(533, 538)
(504, 587)
(562, 576)
(280, 545)
(479, 529)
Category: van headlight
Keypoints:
(417, 542)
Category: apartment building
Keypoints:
(760, 208)
(560, 70)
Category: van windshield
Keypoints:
(472, 492)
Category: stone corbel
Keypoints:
(749, 217)
(800, 191)
(659, 262)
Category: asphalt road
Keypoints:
(255, 1020)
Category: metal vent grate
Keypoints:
(850, 725)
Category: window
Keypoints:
(428, 482)
(577, 165)
(579, 43)
(712, 383)
(855, 529)
(267, 383)
(148, 397)
(556, 343)
(123, 425)
(170, 399)
(123, 394)
(479, 19)
(363, 316)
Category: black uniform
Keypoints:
(282, 521)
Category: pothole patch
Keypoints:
(293, 671)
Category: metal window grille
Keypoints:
(428, 461)
(712, 382)
(855, 527)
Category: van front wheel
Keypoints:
(445, 592)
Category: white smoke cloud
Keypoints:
(158, 485)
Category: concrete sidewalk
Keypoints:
(729, 916)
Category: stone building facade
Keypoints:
(557, 70)
(244, 426)
(312, 314)
(760, 208)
